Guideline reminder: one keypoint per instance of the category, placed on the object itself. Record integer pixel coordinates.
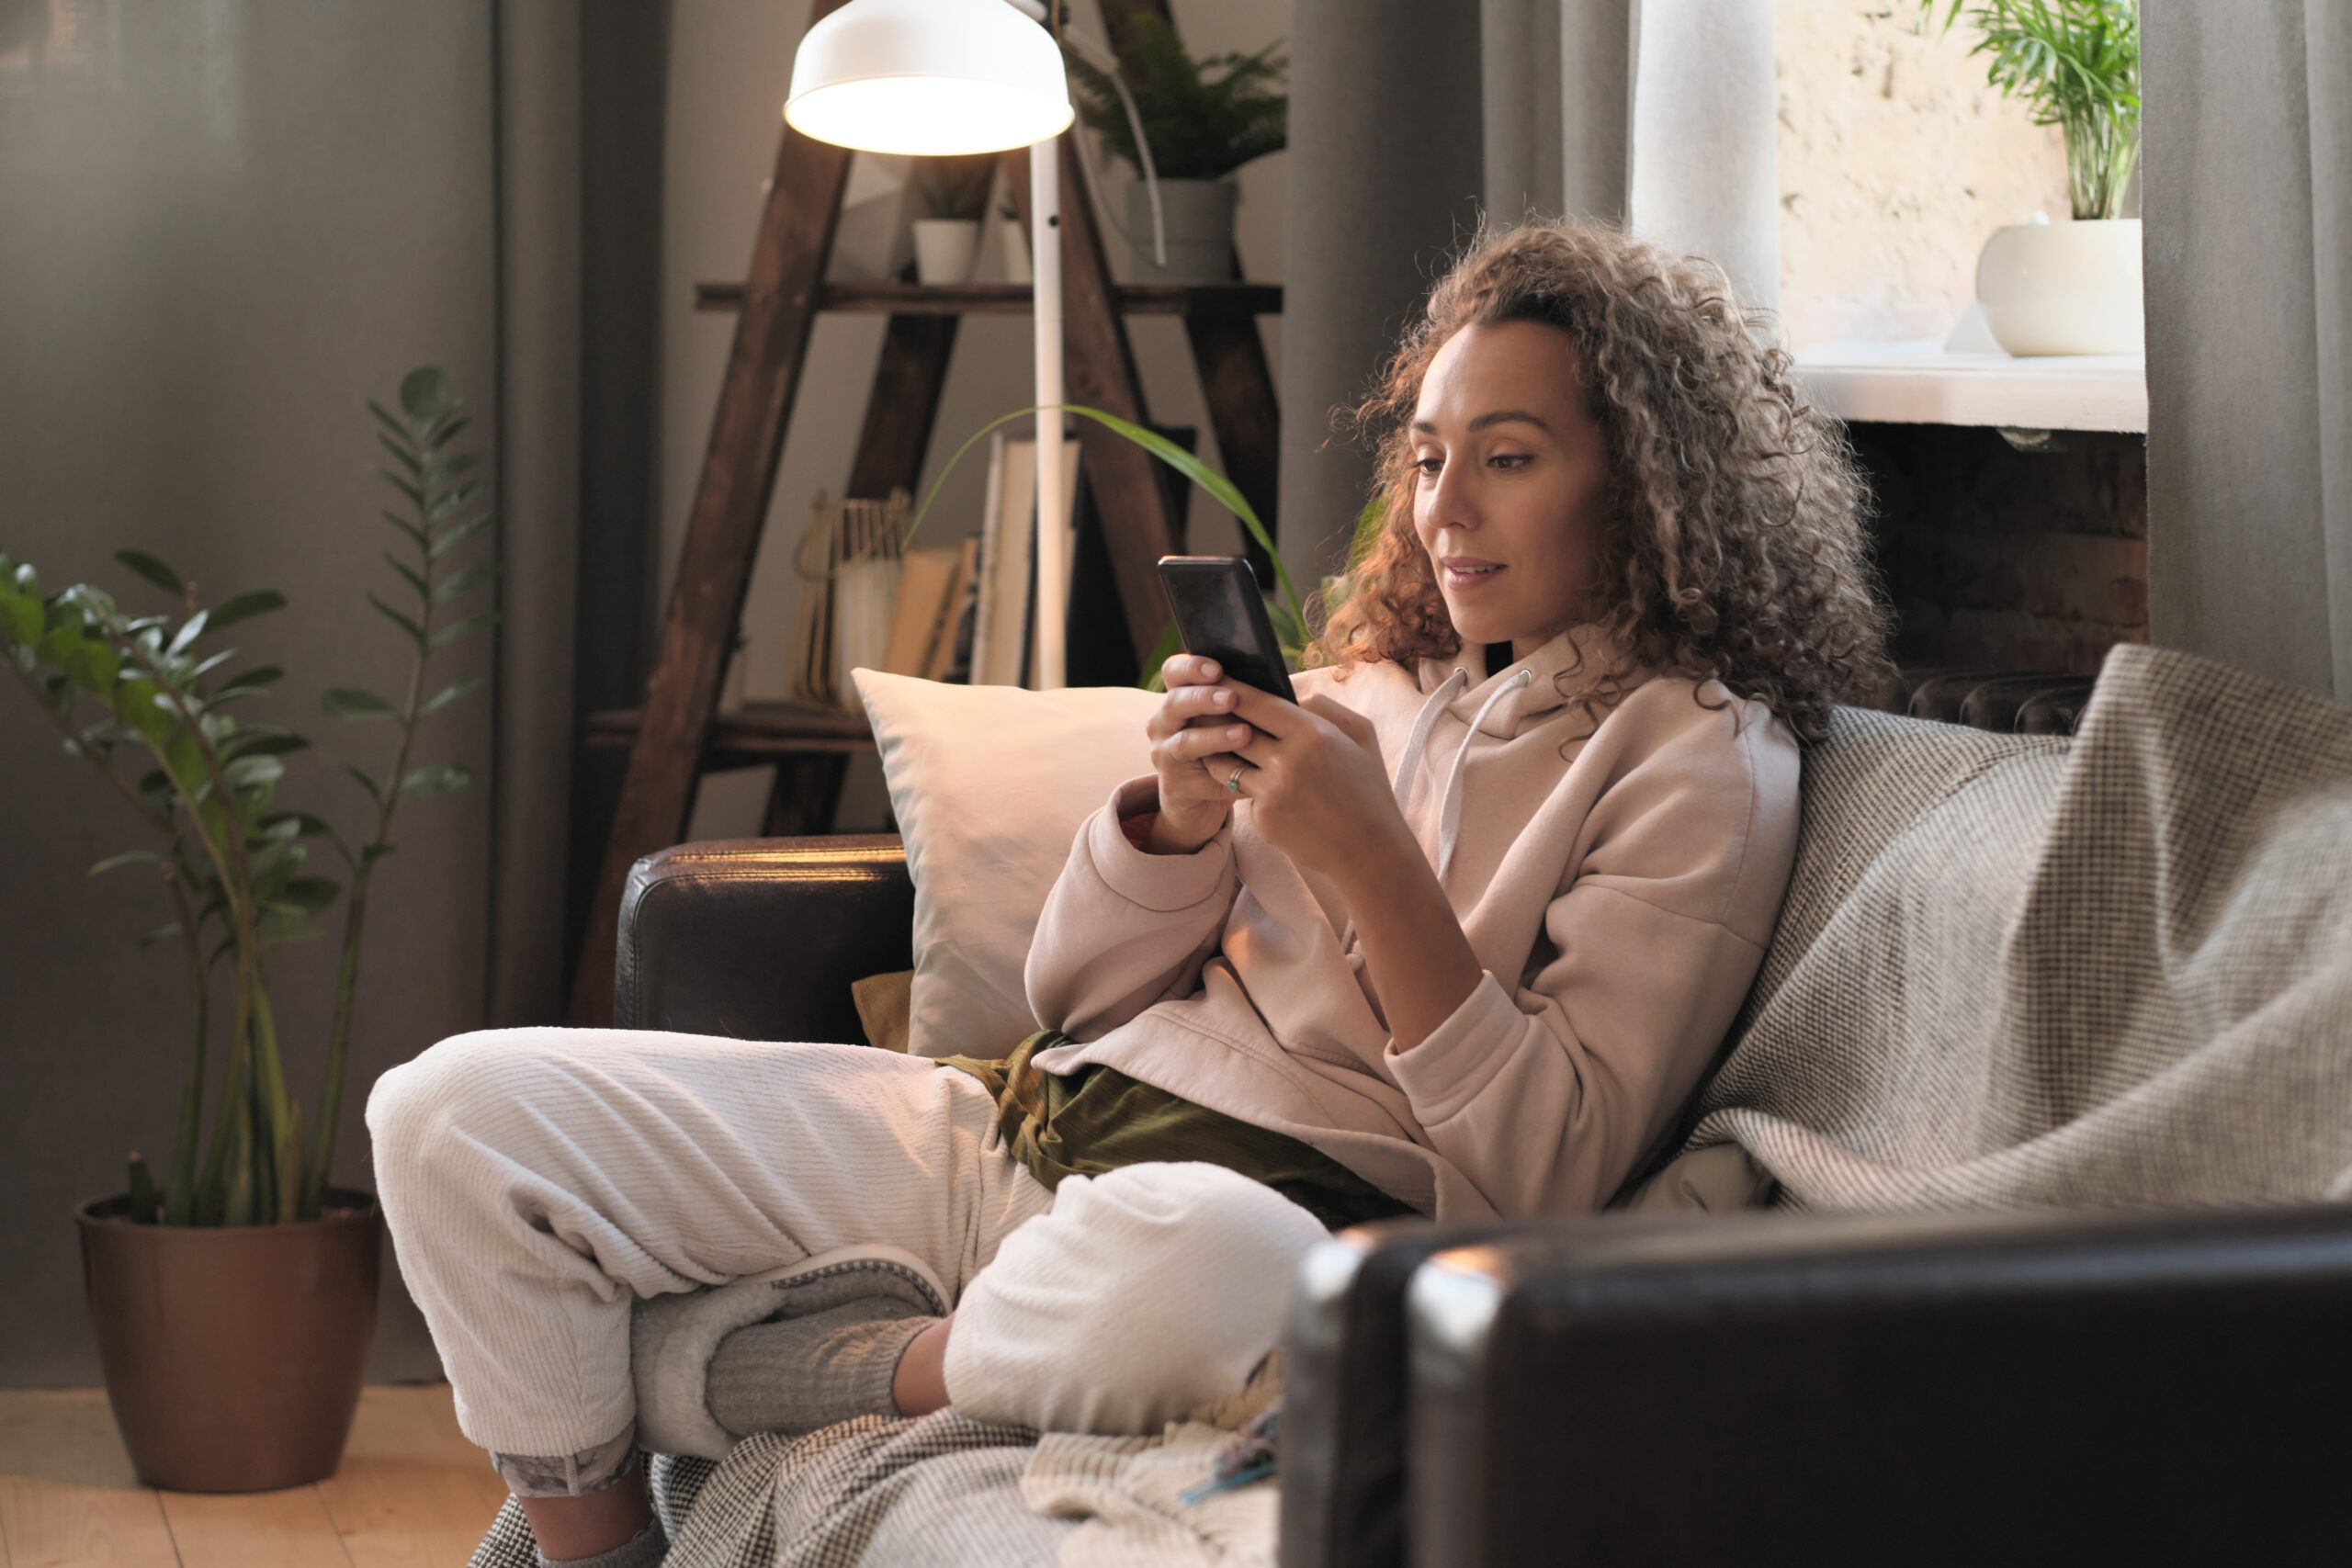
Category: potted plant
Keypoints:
(2067, 287)
(235, 1291)
(1201, 120)
(953, 194)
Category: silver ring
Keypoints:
(1233, 783)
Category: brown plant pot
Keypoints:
(233, 1358)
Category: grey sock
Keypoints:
(645, 1549)
(797, 1374)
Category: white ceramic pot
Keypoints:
(1013, 241)
(2063, 288)
(945, 248)
(1199, 219)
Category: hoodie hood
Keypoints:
(1506, 704)
(1574, 654)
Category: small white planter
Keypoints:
(2063, 288)
(945, 248)
(1199, 219)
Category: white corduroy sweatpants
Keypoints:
(537, 1179)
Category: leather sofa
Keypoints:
(2048, 1387)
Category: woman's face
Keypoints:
(1510, 472)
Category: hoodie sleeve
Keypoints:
(1546, 1093)
(1122, 929)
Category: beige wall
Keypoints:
(730, 60)
(223, 224)
(1898, 162)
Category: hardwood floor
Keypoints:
(412, 1493)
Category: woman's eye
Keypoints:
(1509, 460)
(1428, 466)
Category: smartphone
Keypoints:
(1221, 615)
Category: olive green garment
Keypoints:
(1098, 1119)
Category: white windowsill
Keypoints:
(1922, 383)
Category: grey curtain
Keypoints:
(540, 333)
(1408, 120)
(1386, 170)
(2247, 194)
(1701, 151)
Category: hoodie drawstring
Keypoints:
(1418, 741)
(1448, 813)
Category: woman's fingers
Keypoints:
(1188, 669)
(1188, 706)
(1198, 745)
(1346, 720)
(1264, 710)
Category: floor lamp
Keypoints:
(946, 77)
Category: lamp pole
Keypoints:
(1053, 471)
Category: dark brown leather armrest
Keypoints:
(759, 939)
(1345, 1415)
(2063, 1388)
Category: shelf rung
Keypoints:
(755, 730)
(1012, 298)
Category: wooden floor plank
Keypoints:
(412, 1492)
(256, 1529)
(62, 1434)
(54, 1524)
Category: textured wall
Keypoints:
(226, 223)
(1897, 163)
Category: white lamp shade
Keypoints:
(932, 78)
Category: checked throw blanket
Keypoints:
(2016, 971)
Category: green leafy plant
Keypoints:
(126, 689)
(1204, 117)
(1288, 612)
(2076, 63)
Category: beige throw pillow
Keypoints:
(989, 785)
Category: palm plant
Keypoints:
(1285, 608)
(2076, 63)
(234, 865)
(1204, 117)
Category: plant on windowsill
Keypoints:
(2071, 287)
(235, 1298)
(1202, 120)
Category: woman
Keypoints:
(1455, 935)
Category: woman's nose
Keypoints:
(1451, 503)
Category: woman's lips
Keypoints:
(1465, 573)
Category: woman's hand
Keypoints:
(1320, 795)
(1193, 739)
(1319, 792)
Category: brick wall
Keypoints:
(2000, 559)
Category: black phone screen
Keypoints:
(1220, 615)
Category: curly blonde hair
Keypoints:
(1731, 545)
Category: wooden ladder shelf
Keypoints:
(678, 734)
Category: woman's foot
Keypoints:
(787, 1351)
(795, 1374)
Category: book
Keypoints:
(924, 578)
(1001, 639)
(950, 650)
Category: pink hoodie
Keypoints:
(1619, 891)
